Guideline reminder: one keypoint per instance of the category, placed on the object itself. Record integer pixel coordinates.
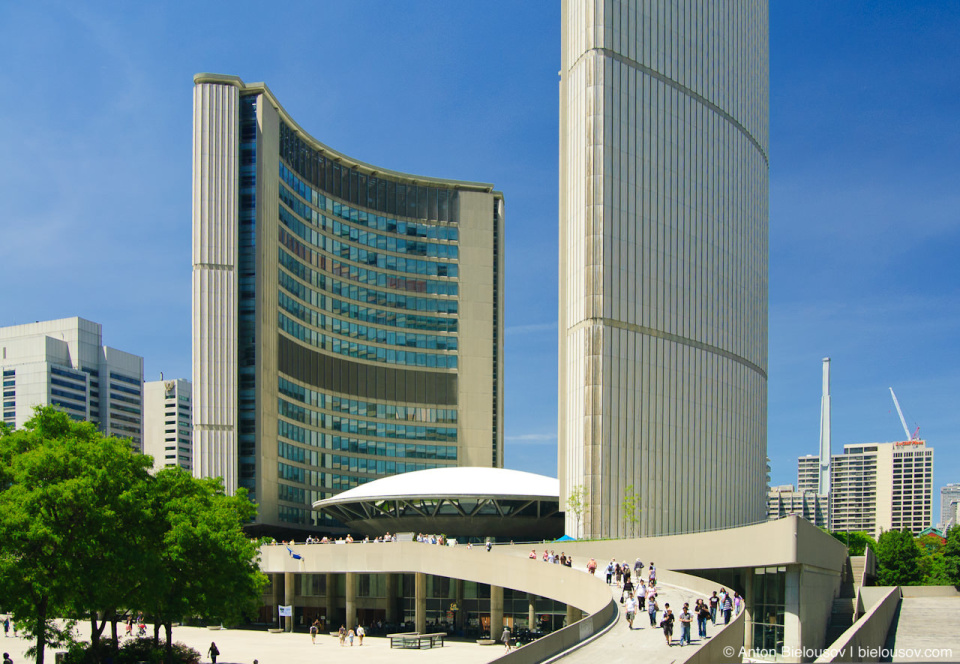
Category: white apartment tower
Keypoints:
(168, 423)
(663, 263)
(64, 363)
(882, 486)
(949, 499)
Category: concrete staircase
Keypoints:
(845, 604)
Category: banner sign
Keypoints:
(286, 611)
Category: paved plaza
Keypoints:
(240, 646)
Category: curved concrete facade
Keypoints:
(347, 319)
(663, 264)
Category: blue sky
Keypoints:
(864, 180)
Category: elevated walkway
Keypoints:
(926, 626)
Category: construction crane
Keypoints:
(906, 431)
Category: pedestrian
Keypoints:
(610, 573)
(592, 566)
(505, 637)
(686, 619)
(703, 612)
(314, 628)
(652, 580)
(533, 554)
(6, 658)
(637, 568)
(342, 634)
(652, 609)
(667, 624)
(618, 573)
(213, 652)
(641, 594)
(737, 603)
(350, 635)
(360, 634)
(727, 609)
(6, 627)
(714, 603)
(631, 608)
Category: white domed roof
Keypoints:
(453, 481)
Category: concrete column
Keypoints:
(288, 595)
(531, 611)
(496, 611)
(460, 618)
(573, 614)
(792, 629)
(391, 598)
(331, 602)
(748, 607)
(277, 594)
(420, 603)
(351, 597)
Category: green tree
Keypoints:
(898, 558)
(68, 499)
(631, 509)
(203, 564)
(857, 542)
(577, 503)
(951, 557)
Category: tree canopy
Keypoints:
(898, 558)
(78, 507)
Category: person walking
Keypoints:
(714, 603)
(6, 627)
(727, 609)
(592, 566)
(667, 624)
(314, 628)
(610, 573)
(342, 634)
(213, 652)
(350, 635)
(702, 614)
(631, 608)
(686, 619)
(652, 579)
(360, 634)
(652, 609)
(505, 638)
(6, 658)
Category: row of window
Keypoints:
(366, 238)
(365, 314)
(370, 191)
(355, 446)
(376, 429)
(364, 408)
(126, 379)
(337, 325)
(327, 283)
(362, 351)
(349, 252)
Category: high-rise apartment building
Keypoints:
(784, 501)
(663, 263)
(882, 486)
(168, 423)
(64, 363)
(347, 319)
(949, 499)
(808, 473)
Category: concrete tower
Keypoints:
(824, 484)
(663, 264)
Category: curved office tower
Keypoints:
(663, 264)
(347, 319)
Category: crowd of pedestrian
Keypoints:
(638, 594)
(550, 556)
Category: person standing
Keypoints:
(686, 619)
(213, 652)
(6, 626)
(641, 593)
(631, 608)
(505, 637)
(667, 624)
(350, 635)
(610, 573)
(6, 658)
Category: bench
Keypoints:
(415, 640)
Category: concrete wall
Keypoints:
(929, 591)
(868, 632)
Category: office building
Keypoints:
(882, 486)
(663, 264)
(949, 499)
(347, 319)
(64, 363)
(168, 423)
(785, 501)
